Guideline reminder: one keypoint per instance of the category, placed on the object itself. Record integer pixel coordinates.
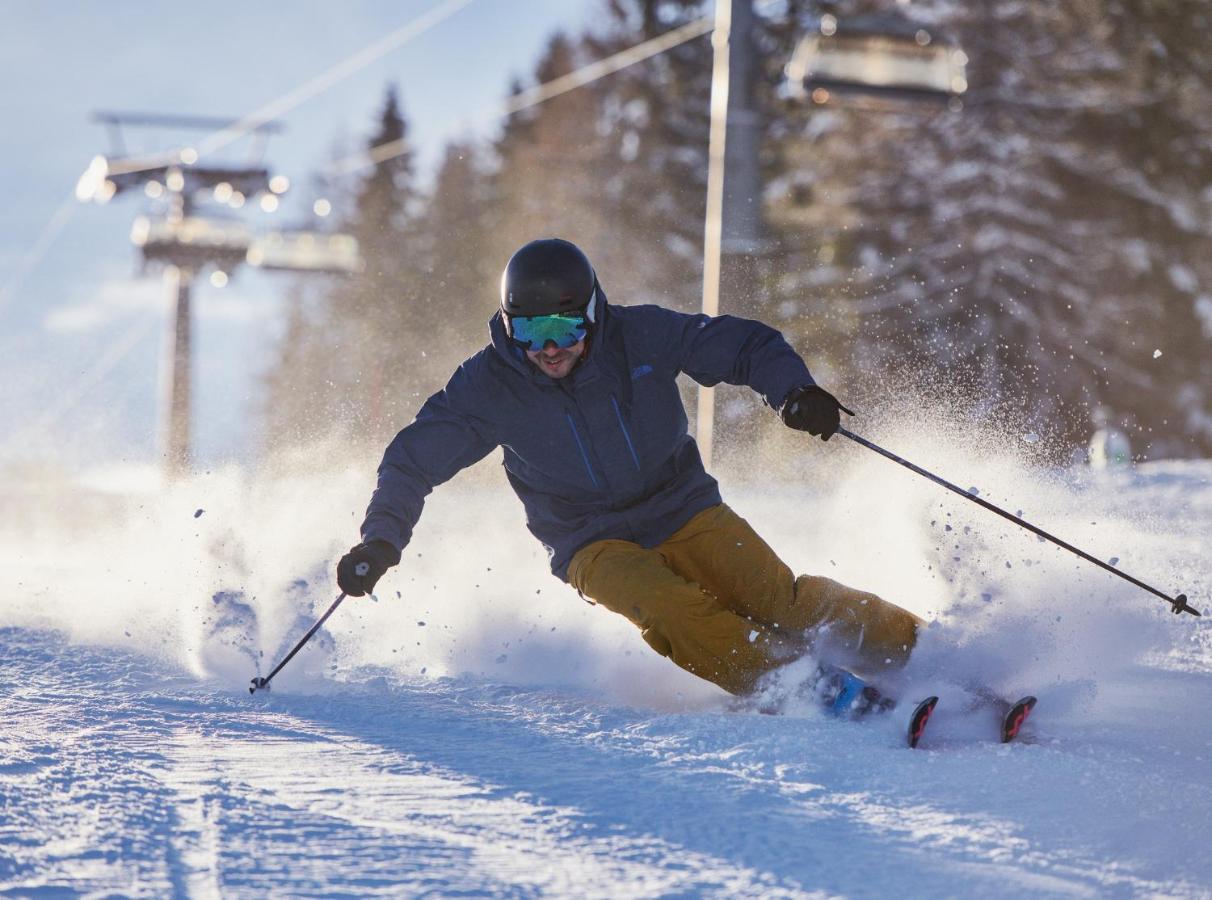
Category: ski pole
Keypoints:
(258, 683)
(1178, 604)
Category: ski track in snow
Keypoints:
(527, 763)
(120, 777)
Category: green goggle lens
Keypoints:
(562, 329)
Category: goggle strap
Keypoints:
(593, 301)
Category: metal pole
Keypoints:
(1178, 604)
(713, 225)
(732, 231)
(741, 229)
(259, 683)
(177, 416)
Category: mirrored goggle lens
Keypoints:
(533, 332)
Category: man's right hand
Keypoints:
(361, 568)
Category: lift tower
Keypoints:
(190, 233)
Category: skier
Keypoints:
(582, 395)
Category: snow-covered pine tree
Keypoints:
(461, 272)
(1035, 248)
(551, 160)
(352, 350)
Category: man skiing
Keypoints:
(583, 398)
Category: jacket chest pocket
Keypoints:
(582, 446)
(552, 451)
(586, 446)
(621, 419)
(606, 434)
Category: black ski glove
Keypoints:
(378, 557)
(814, 410)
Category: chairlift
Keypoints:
(192, 242)
(305, 251)
(875, 59)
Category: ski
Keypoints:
(1012, 720)
(917, 722)
(1016, 715)
(844, 694)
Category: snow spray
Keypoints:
(222, 572)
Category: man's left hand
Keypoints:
(814, 410)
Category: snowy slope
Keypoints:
(486, 732)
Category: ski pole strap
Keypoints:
(1178, 604)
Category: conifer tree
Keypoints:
(655, 120)
(1033, 250)
(550, 157)
(1028, 254)
(348, 363)
(462, 272)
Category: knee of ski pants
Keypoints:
(638, 584)
(605, 572)
(657, 641)
(858, 621)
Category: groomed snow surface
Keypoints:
(479, 730)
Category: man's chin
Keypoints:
(557, 368)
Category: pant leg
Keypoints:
(678, 618)
(719, 550)
(855, 629)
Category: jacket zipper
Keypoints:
(626, 436)
(576, 436)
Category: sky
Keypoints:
(82, 330)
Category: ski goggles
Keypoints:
(562, 329)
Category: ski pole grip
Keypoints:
(362, 569)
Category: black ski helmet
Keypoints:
(547, 276)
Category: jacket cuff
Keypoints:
(791, 390)
(386, 552)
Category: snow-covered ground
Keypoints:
(481, 730)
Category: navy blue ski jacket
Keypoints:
(601, 453)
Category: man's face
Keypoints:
(555, 362)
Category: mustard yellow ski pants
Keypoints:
(716, 600)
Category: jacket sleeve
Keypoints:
(711, 349)
(446, 437)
